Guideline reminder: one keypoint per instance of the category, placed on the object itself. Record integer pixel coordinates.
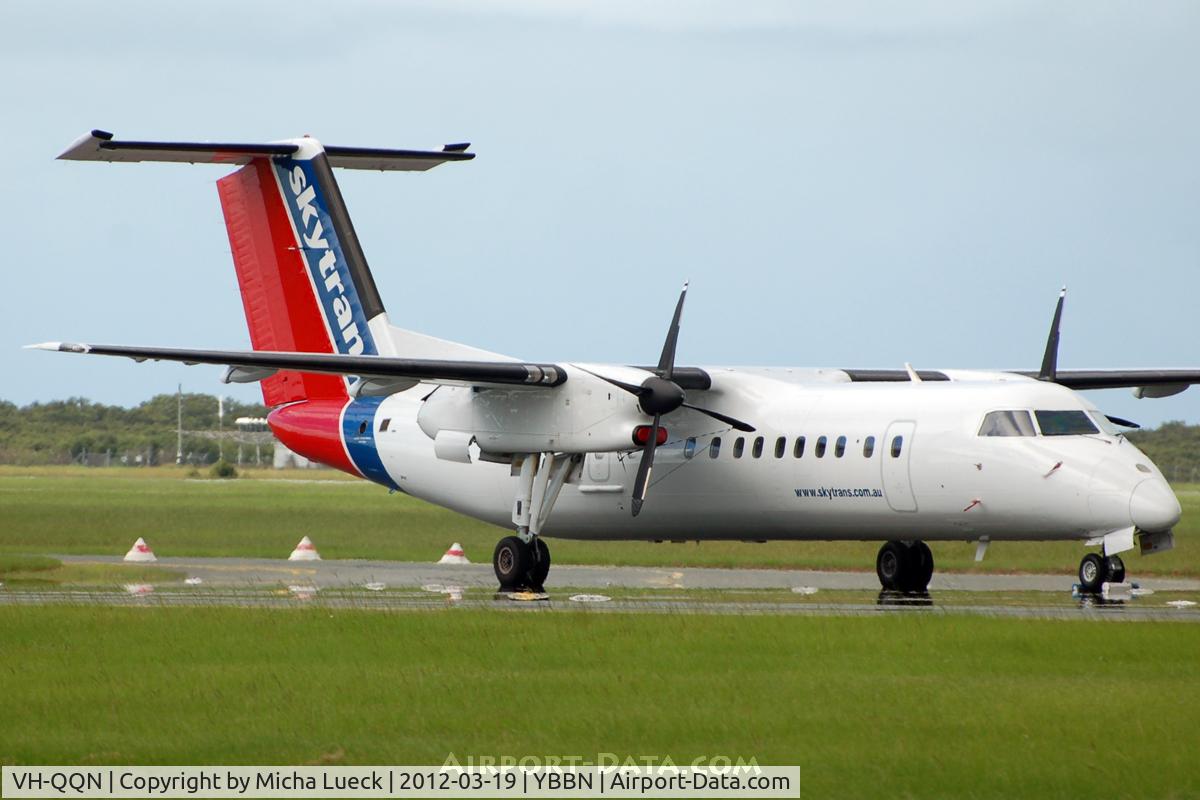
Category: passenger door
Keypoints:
(894, 466)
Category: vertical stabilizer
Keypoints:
(304, 280)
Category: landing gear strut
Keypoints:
(1095, 570)
(523, 561)
(904, 566)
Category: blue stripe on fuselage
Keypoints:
(358, 430)
(304, 197)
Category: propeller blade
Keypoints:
(736, 423)
(629, 387)
(642, 481)
(1124, 423)
(666, 362)
(1049, 371)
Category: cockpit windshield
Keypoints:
(1065, 423)
(1007, 423)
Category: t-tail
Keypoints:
(305, 283)
(304, 279)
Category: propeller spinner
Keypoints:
(658, 396)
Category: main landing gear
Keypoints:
(904, 566)
(521, 565)
(1095, 570)
(523, 561)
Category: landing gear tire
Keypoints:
(1093, 571)
(512, 560)
(904, 567)
(541, 564)
(1115, 568)
(890, 565)
(924, 573)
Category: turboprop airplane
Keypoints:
(566, 449)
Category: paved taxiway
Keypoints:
(244, 572)
(298, 596)
(267, 583)
(271, 572)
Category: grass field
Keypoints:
(899, 707)
(96, 511)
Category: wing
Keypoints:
(1149, 382)
(387, 373)
(1122, 378)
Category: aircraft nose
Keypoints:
(1153, 506)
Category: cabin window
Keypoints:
(714, 448)
(798, 448)
(362, 428)
(739, 446)
(383, 426)
(1064, 423)
(780, 446)
(839, 447)
(869, 447)
(820, 448)
(689, 447)
(1007, 423)
(757, 448)
(897, 446)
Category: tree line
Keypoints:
(65, 431)
(1174, 447)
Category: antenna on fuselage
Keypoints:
(1049, 370)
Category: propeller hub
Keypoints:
(660, 396)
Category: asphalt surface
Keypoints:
(398, 586)
(442, 597)
(246, 572)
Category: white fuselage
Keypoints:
(941, 480)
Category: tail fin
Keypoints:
(304, 280)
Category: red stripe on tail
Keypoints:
(281, 309)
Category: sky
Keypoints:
(845, 184)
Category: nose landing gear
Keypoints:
(904, 566)
(1095, 570)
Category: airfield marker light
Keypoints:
(305, 551)
(140, 552)
(642, 433)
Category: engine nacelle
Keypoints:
(583, 415)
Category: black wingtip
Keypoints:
(1049, 370)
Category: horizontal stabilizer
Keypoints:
(473, 373)
(101, 146)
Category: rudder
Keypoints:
(303, 278)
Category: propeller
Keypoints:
(1049, 370)
(658, 396)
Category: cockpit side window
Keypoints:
(1105, 424)
(1007, 423)
(1065, 423)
